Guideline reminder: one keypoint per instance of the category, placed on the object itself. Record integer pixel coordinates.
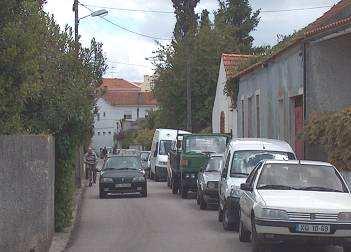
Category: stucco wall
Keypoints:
(223, 103)
(328, 85)
(26, 193)
(275, 84)
(329, 75)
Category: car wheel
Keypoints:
(226, 224)
(257, 245)
(244, 235)
(220, 213)
(144, 193)
(203, 204)
(102, 195)
(184, 192)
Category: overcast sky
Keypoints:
(126, 52)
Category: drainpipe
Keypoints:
(304, 90)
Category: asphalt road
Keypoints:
(161, 222)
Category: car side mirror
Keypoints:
(245, 187)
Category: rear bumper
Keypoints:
(279, 231)
(190, 183)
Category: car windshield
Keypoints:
(206, 144)
(214, 164)
(123, 162)
(300, 177)
(165, 146)
(244, 161)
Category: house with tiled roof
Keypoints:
(312, 73)
(223, 114)
(121, 100)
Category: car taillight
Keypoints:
(183, 162)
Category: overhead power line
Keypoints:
(128, 64)
(125, 29)
(171, 12)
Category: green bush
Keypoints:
(333, 131)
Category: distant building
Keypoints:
(223, 114)
(121, 100)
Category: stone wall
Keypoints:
(27, 170)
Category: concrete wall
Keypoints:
(223, 103)
(107, 122)
(27, 168)
(275, 84)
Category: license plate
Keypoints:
(308, 228)
(123, 185)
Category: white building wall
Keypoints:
(223, 103)
(106, 126)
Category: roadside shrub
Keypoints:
(332, 131)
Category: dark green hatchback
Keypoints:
(122, 175)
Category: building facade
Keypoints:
(312, 74)
(224, 115)
(122, 100)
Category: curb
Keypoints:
(61, 241)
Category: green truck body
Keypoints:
(187, 161)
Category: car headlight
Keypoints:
(211, 185)
(346, 216)
(107, 180)
(273, 214)
(138, 179)
(235, 192)
(193, 175)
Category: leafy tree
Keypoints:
(46, 89)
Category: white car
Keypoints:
(295, 201)
(240, 158)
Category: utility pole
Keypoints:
(188, 71)
(76, 25)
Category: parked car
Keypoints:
(207, 182)
(241, 157)
(162, 143)
(121, 175)
(295, 201)
(186, 163)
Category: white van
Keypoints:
(240, 158)
(162, 143)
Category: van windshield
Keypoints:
(165, 147)
(244, 161)
(206, 144)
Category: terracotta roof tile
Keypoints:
(130, 98)
(232, 62)
(118, 84)
(331, 18)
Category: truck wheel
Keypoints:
(184, 192)
(174, 187)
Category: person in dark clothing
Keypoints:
(90, 160)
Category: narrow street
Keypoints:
(160, 222)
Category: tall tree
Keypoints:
(234, 21)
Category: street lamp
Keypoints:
(98, 13)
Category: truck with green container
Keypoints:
(189, 156)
